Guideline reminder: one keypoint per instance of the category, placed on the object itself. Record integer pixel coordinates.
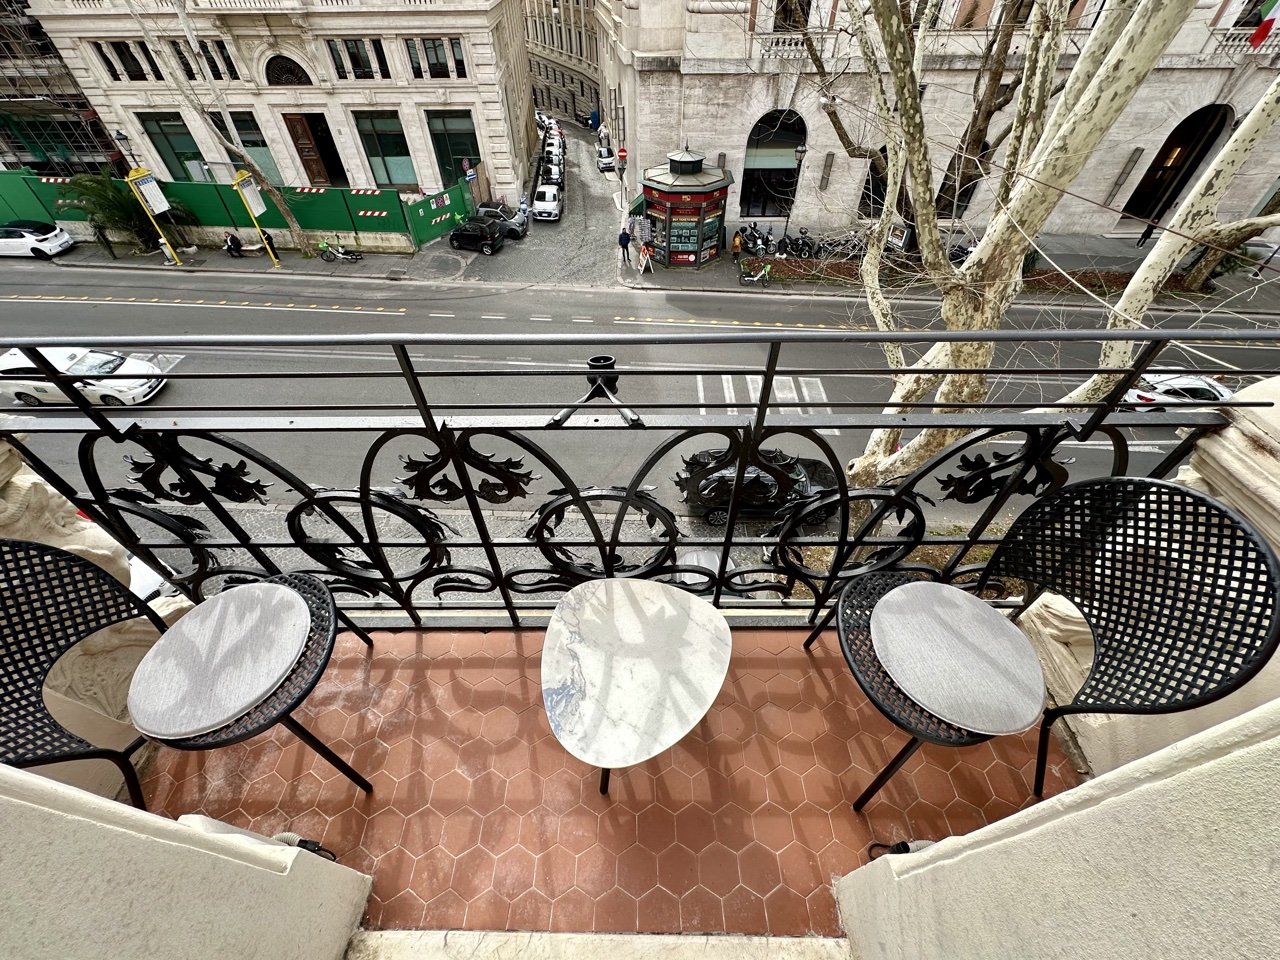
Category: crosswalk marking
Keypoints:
(786, 390)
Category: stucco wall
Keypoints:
(1172, 856)
(89, 879)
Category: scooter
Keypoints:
(746, 276)
(337, 252)
(753, 241)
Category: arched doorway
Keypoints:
(769, 172)
(1177, 161)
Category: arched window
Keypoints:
(284, 71)
(1177, 161)
(769, 172)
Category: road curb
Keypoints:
(624, 281)
(280, 272)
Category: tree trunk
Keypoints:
(1203, 268)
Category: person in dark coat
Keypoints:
(234, 245)
(624, 241)
(270, 244)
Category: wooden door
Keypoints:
(305, 144)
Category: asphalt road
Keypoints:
(701, 380)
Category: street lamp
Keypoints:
(122, 138)
(801, 150)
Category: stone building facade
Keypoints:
(393, 94)
(732, 79)
(564, 55)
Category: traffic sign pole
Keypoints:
(248, 190)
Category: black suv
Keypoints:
(478, 233)
(706, 483)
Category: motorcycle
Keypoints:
(337, 252)
(801, 246)
(761, 276)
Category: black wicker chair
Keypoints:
(50, 600)
(1179, 591)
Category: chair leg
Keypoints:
(356, 629)
(122, 761)
(307, 737)
(822, 625)
(894, 766)
(1042, 753)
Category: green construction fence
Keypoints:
(433, 217)
(28, 196)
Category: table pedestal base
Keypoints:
(604, 780)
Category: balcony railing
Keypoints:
(1235, 41)
(481, 476)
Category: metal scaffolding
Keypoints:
(45, 121)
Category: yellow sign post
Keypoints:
(143, 184)
(253, 202)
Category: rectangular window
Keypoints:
(173, 141)
(180, 54)
(254, 141)
(151, 61)
(453, 135)
(106, 61)
(358, 55)
(386, 147)
(792, 16)
(227, 62)
(459, 65)
(437, 65)
(131, 64)
(214, 70)
(415, 61)
(380, 55)
(336, 54)
(1022, 10)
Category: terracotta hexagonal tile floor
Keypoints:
(479, 819)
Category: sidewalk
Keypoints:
(1108, 254)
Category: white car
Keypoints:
(604, 159)
(548, 204)
(25, 384)
(1157, 388)
(33, 238)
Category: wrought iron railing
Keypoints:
(436, 474)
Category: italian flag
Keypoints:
(1269, 11)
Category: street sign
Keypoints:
(622, 153)
(471, 175)
(466, 164)
(248, 188)
(150, 193)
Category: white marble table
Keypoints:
(628, 668)
(959, 658)
(219, 661)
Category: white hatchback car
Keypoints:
(548, 203)
(1158, 388)
(33, 238)
(25, 384)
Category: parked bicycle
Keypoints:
(761, 276)
(336, 251)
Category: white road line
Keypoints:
(205, 306)
(582, 320)
(813, 391)
(492, 316)
(730, 397)
(702, 396)
(540, 318)
(441, 314)
(754, 386)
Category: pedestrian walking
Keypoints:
(737, 246)
(524, 206)
(1147, 234)
(270, 243)
(234, 245)
(624, 241)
